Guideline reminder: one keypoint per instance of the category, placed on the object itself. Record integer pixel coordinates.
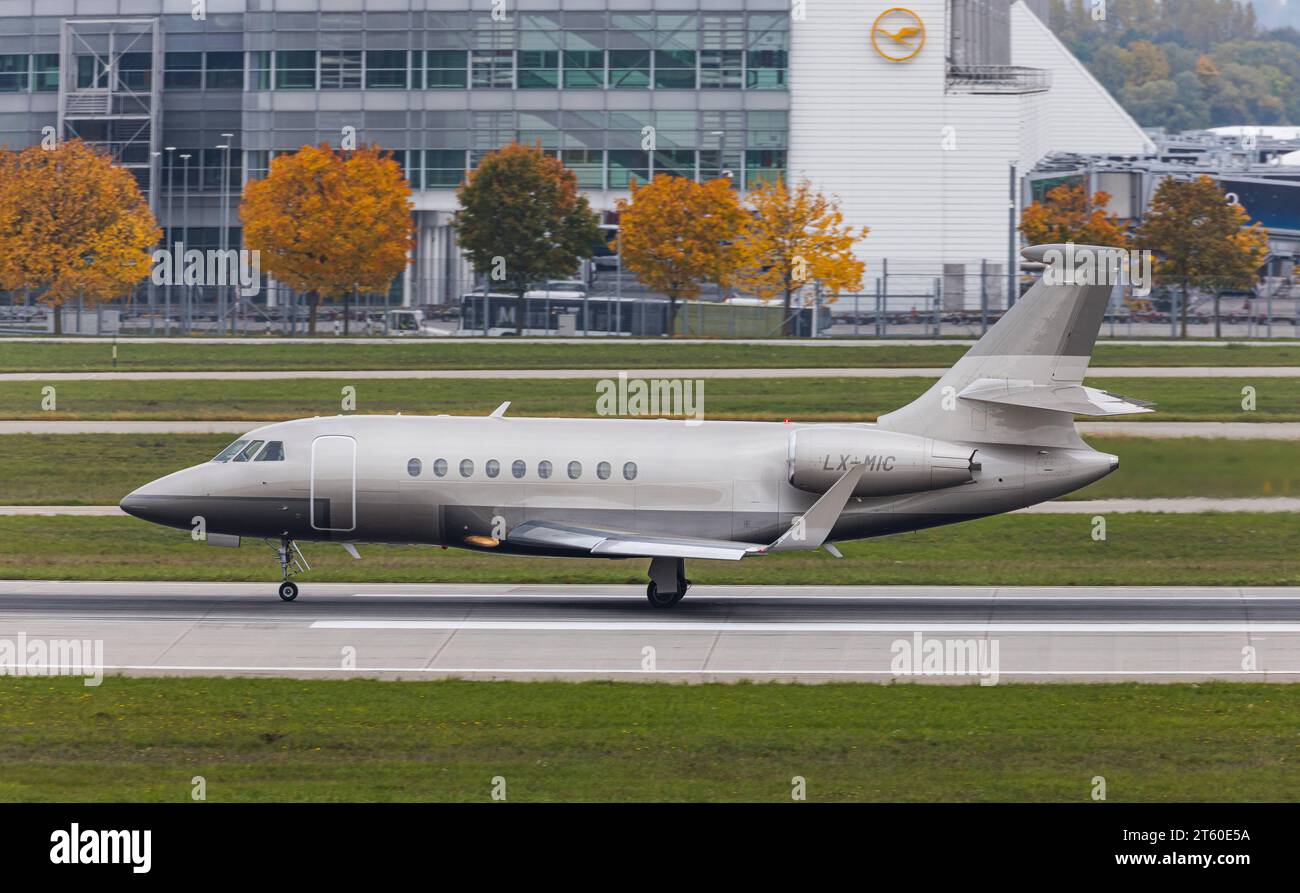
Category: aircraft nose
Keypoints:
(171, 500)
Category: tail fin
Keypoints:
(1023, 381)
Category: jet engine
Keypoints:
(896, 463)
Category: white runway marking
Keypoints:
(813, 627)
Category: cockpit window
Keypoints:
(224, 455)
(274, 452)
(249, 451)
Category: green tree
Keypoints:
(522, 220)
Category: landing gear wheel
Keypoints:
(662, 599)
(288, 591)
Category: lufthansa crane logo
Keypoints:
(898, 34)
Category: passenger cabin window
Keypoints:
(249, 451)
(413, 468)
(602, 471)
(544, 469)
(274, 452)
(493, 468)
(228, 452)
(466, 467)
(519, 468)
(575, 470)
(629, 471)
(440, 467)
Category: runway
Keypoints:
(718, 633)
(598, 374)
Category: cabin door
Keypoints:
(334, 483)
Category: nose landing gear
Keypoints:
(291, 562)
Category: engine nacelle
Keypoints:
(896, 463)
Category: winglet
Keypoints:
(809, 530)
(500, 410)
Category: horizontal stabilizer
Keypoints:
(1071, 398)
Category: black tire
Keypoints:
(660, 600)
(288, 591)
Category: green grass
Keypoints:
(51, 468)
(1238, 549)
(144, 739)
(96, 355)
(769, 399)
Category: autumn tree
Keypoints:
(72, 225)
(1069, 214)
(331, 223)
(795, 237)
(675, 234)
(1199, 237)
(522, 220)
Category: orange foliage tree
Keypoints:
(1200, 238)
(675, 234)
(794, 237)
(1070, 215)
(71, 225)
(331, 223)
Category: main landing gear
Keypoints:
(668, 583)
(291, 562)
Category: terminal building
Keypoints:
(925, 121)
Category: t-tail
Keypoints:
(1022, 383)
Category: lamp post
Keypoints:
(185, 216)
(233, 302)
(169, 231)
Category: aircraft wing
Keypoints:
(806, 534)
(621, 544)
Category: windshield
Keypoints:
(224, 455)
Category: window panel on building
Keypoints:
(675, 69)
(629, 69)
(626, 165)
(340, 69)
(386, 69)
(539, 69)
(675, 162)
(224, 71)
(763, 166)
(258, 163)
(584, 69)
(716, 164)
(259, 70)
(182, 71)
(493, 69)
(92, 73)
(14, 68)
(721, 69)
(45, 68)
(295, 69)
(443, 168)
(446, 69)
(587, 164)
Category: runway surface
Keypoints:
(1179, 506)
(1104, 338)
(1229, 430)
(718, 633)
(597, 374)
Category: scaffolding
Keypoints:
(110, 92)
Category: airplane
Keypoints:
(995, 433)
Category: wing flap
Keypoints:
(621, 544)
